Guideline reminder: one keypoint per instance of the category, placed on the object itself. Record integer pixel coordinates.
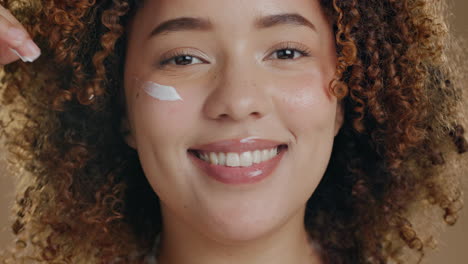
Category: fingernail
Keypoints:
(32, 50)
(16, 34)
(24, 59)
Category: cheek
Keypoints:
(164, 119)
(306, 103)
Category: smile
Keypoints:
(234, 162)
(244, 159)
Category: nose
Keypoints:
(238, 93)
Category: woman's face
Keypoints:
(243, 69)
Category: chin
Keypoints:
(243, 225)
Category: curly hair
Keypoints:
(82, 194)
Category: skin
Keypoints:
(234, 87)
(14, 36)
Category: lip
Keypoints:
(238, 145)
(238, 175)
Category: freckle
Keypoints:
(138, 94)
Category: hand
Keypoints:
(15, 42)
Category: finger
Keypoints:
(17, 39)
(7, 56)
(10, 34)
(21, 44)
(8, 16)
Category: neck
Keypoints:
(180, 244)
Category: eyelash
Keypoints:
(295, 47)
(173, 55)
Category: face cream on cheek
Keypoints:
(161, 92)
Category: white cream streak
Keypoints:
(161, 92)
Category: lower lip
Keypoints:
(239, 175)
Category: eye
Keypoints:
(289, 51)
(288, 54)
(180, 60)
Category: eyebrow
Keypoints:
(203, 24)
(284, 19)
(182, 24)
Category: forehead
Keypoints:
(230, 13)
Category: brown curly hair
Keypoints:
(83, 197)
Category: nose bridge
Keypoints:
(238, 93)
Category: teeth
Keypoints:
(221, 159)
(232, 160)
(257, 156)
(213, 158)
(244, 159)
(265, 154)
(273, 152)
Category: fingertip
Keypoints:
(8, 56)
(17, 54)
(23, 58)
(29, 50)
(16, 35)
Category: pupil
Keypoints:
(183, 60)
(286, 54)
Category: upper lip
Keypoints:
(235, 145)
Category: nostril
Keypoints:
(256, 114)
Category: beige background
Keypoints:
(453, 246)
